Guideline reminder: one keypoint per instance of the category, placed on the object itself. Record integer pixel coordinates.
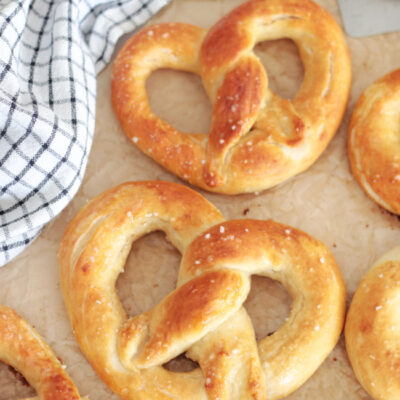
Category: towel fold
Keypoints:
(50, 53)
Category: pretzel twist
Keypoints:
(372, 327)
(204, 315)
(257, 139)
(373, 141)
(23, 349)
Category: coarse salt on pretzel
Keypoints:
(204, 315)
(373, 144)
(373, 326)
(257, 139)
(23, 349)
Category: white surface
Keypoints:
(370, 17)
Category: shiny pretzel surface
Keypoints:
(204, 316)
(372, 326)
(23, 349)
(257, 139)
(373, 144)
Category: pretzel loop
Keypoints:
(92, 254)
(301, 264)
(231, 42)
(256, 139)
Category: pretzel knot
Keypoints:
(204, 315)
(256, 139)
(23, 349)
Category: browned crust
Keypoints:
(372, 327)
(308, 271)
(23, 349)
(230, 71)
(92, 254)
(373, 146)
(203, 316)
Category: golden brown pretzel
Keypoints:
(23, 349)
(373, 141)
(372, 328)
(203, 316)
(257, 139)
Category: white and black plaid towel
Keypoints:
(50, 53)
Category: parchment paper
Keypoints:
(325, 201)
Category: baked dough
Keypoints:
(23, 349)
(372, 329)
(257, 139)
(373, 143)
(204, 315)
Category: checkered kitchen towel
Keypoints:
(50, 52)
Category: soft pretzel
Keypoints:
(23, 349)
(204, 315)
(257, 139)
(373, 141)
(372, 329)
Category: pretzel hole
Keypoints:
(150, 273)
(181, 363)
(178, 98)
(268, 305)
(285, 70)
(13, 385)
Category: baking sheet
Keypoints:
(324, 201)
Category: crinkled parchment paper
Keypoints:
(325, 201)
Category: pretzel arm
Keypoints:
(182, 318)
(230, 362)
(235, 110)
(23, 348)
